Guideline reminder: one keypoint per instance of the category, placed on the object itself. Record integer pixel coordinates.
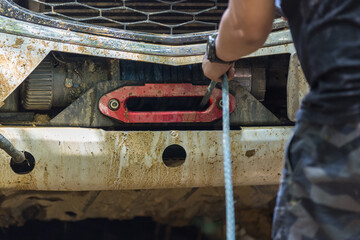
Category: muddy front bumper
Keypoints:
(78, 159)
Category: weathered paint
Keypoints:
(273, 50)
(12, 26)
(178, 39)
(28, 44)
(18, 58)
(77, 159)
(297, 87)
(20, 28)
(20, 55)
(9, 9)
(123, 114)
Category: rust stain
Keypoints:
(133, 160)
(17, 60)
(5, 87)
(18, 43)
(81, 49)
(141, 165)
(93, 38)
(30, 47)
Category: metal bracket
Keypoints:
(297, 87)
(122, 113)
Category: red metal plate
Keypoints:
(210, 114)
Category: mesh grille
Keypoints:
(154, 16)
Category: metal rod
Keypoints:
(208, 93)
(6, 145)
(229, 198)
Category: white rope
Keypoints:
(229, 198)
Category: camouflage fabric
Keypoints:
(319, 196)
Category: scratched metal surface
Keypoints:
(297, 87)
(14, 11)
(77, 159)
(20, 28)
(19, 55)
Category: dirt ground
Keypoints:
(101, 229)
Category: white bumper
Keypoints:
(77, 159)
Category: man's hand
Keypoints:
(215, 71)
(244, 27)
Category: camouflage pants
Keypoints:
(319, 195)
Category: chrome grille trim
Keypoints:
(9, 9)
(155, 16)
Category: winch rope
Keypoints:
(229, 198)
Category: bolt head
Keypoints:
(174, 134)
(219, 104)
(114, 104)
(69, 83)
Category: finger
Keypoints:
(205, 67)
(231, 73)
(216, 79)
(208, 70)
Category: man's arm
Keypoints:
(244, 27)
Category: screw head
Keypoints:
(113, 104)
(219, 104)
(69, 83)
(174, 134)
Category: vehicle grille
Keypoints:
(153, 16)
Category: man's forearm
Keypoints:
(244, 28)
